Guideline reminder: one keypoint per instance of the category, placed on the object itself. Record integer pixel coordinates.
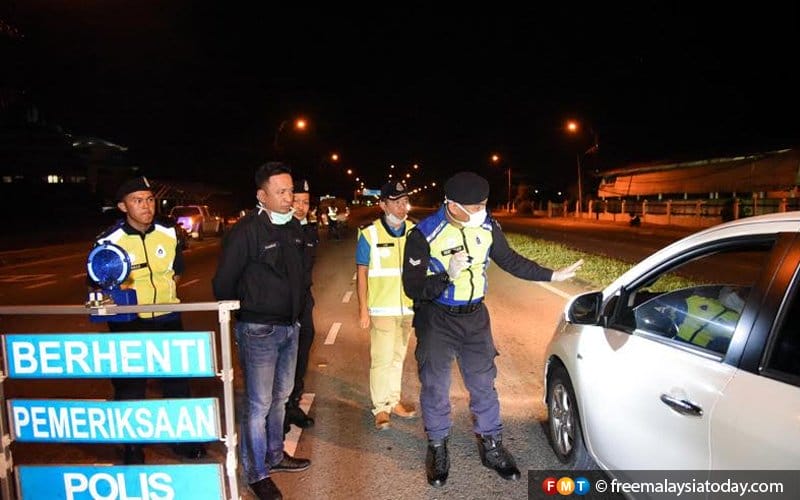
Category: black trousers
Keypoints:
(135, 388)
(305, 339)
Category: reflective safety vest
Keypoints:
(445, 240)
(385, 295)
(706, 319)
(152, 258)
(332, 213)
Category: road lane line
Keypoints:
(45, 283)
(347, 296)
(555, 290)
(293, 437)
(331, 338)
(190, 282)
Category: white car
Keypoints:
(689, 360)
(196, 220)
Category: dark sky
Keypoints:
(197, 89)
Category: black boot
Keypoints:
(496, 457)
(295, 415)
(437, 462)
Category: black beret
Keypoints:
(467, 188)
(393, 190)
(301, 186)
(133, 185)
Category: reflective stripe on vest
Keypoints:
(385, 295)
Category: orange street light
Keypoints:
(496, 160)
(334, 157)
(300, 124)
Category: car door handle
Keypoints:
(682, 406)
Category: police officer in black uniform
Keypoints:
(444, 272)
(294, 414)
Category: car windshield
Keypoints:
(184, 211)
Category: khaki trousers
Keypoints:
(389, 337)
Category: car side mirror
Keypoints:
(585, 309)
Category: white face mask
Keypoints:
(394, 221)
(277, 218)
(280, 219)
(475, 220)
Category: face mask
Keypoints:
(280, 219)
(475, 220)
(394, 221)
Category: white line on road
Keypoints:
(45, 283)
(190, 282)
(331, 338)
(347, 296)
(79, 275)
(291, 439)
(555, 290)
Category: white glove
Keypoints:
(458, 262)
(566, 273)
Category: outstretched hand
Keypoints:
(566, 273)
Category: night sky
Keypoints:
(197, 89)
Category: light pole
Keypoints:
(573, 127)
(496, 161)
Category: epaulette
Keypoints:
(110, 229)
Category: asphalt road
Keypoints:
(350, 458)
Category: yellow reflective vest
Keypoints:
(385, 295)
(471, 283)
(152, 260)
(707, 319)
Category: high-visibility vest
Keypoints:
(706, 319)
(152, 258)
(385, 295)
(445, 240)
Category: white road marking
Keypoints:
(37, 285)
(331, 338)
(347, 296)
(291, 439)
(555, 290)
(190, 282)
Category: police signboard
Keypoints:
(91, 355)
(130, 482)
(79, 421)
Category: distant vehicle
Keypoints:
(197, 220)
(689, 360)
(234, 218)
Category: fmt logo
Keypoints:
(566, 486)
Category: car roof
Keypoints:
(784, 222)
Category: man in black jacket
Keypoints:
(263, 265)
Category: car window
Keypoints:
(783, 356)
(696, 301)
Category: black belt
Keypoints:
(461, 309)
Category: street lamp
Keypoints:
(573, 127)
(496, 160)
(299, 124)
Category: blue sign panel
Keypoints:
(370, 192)
(92, 355)
(129, 482)
(135, 421)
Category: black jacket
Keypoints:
(264, 266)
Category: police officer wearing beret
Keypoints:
(444, 272)
(294, 414)
(156, 252)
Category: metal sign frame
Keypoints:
(223, 309)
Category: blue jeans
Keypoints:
(267, 355)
